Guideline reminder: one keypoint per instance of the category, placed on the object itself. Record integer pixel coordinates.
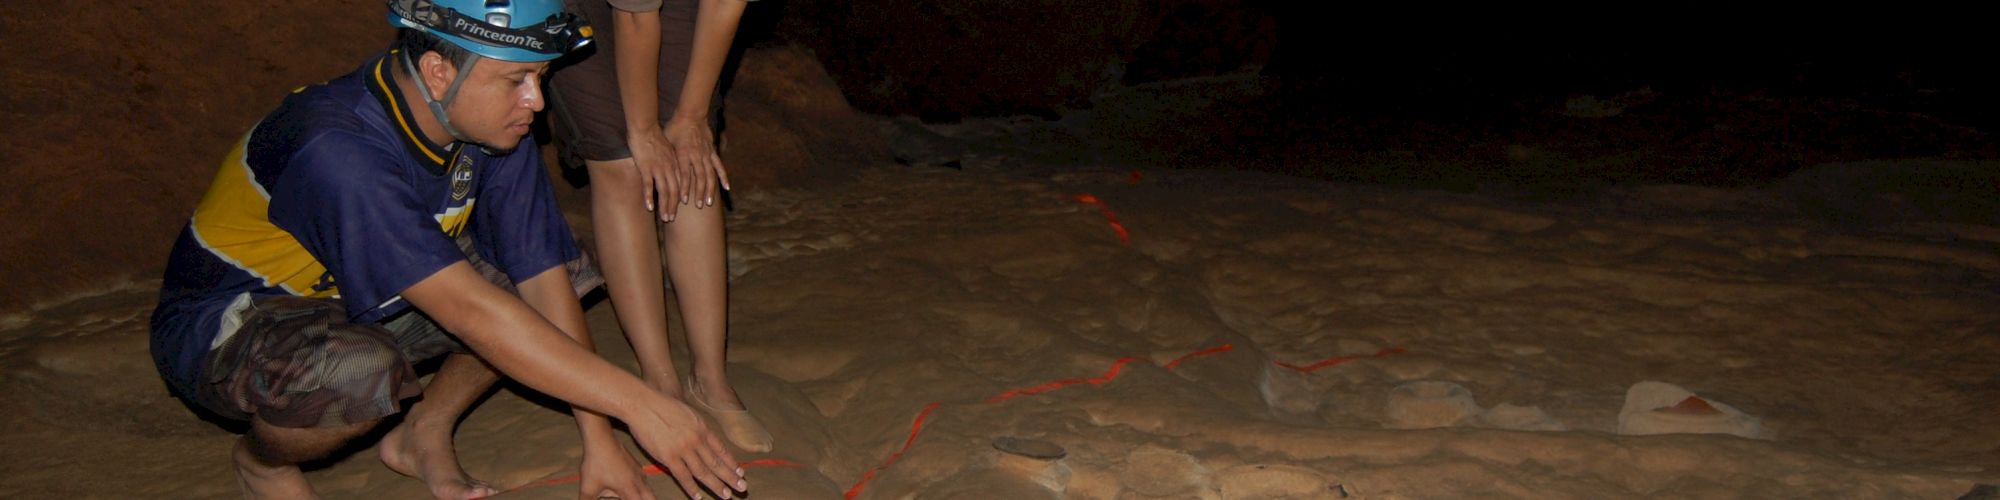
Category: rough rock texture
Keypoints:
(788, 125)
(117, 113)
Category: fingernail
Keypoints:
(739, 473)
(709, 202)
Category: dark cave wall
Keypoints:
(946, 60)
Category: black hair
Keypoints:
(416, 42)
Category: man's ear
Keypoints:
(437, 73)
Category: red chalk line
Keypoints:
(914, 429)
(1109, 217)
(1337, 361)
(1116, 366)
(1204, 352)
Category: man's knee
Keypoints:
(320, 373)
(362, 376)
(358, 359)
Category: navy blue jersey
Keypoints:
(337, 194)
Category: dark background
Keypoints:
(1427, 95)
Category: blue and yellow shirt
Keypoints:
(336, 194)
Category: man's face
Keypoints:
(498, 101)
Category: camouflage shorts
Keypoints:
(297, 362)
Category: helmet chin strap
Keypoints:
(437, 106)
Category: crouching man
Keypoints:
(392, 215)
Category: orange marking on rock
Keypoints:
(1116, 366)
(870, 476)
(1338, 360)
(1693, 405)
(771, 462)
(1204, 352)
(1123, 236)
(1109, 216)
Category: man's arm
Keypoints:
(607, 468)
(523, 344)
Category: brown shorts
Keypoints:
(297, 362)
(584, 106)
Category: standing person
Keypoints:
(356, 230)
(658, 57)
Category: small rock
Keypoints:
(1663, 408)
(1156, 471)
(1427, 404)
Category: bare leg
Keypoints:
(267, 458)
(696, 258)
(697, 261)
(629, 255)
(422, 446)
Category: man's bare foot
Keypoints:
(261, 480)
(424, 453)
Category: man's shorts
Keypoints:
(297, 362)
(584, 105)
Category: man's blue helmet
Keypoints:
(508, 30)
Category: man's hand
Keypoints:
(696, 160)
(608, 471)
(677, 438)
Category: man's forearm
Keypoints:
(521, 344)
(551, 295)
